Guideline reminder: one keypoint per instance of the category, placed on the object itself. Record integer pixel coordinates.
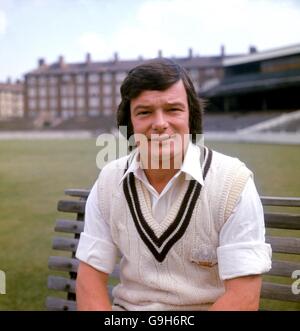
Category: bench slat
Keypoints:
(69, 206)
(81, 193)
(280, 201)
(68, 285)
(282, 221)
(278, 292)
(61, 284)
(283, 268)
(289, 245)
(59, 304)
(62, 263)
(69, 226)
(65, 244)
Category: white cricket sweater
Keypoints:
(171, 265)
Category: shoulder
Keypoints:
(115, 166)
(229, 176)
(111, 174)
(108, 182)
(225, 160)
(229, 166)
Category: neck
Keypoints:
(159, 174)
(159, 178)
(159, 171)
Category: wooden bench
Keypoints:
(282, 233)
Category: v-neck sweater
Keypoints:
(171, 265)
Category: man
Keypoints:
(187, 221)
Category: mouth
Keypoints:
(161, 137)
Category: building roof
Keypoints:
(121, 65)
(11, 87)
(263, 55)
(254, 83)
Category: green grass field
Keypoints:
(33, 176)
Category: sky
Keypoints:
(33, 29)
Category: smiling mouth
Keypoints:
(161, 137)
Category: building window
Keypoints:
(53, 91)
(42, 104)
(80, 102)
(42, 92)
(80, 79)
(93, 90)
(64, 103)
(42, 81)
(80, 89)
(107, 77)
(53, 80)
(66, 78)
(107, 102)
(94, 102)
(53, 103)
(107, 89)
(93, 78)
(31, 92)
(120, 76)
(71, 103)
(67, 90)
(67, 103)
(63, 90)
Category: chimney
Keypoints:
(61, 61)
(252, 49)
(41, 62)
(190, 53)
(8, 80)
(222, 50)
(88, 58)
(116, 56)
(160, 54)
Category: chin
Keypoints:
(166, 158)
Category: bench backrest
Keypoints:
(283, 233)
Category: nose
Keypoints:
(160, 123)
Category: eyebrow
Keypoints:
(169, 104)
(175, 104)
(141, 107)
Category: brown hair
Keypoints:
(158, 74)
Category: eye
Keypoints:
(174, 109)
(143, 113)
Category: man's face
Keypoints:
(162, 117)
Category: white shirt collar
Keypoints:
(191, 165)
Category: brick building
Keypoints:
(11, 99)
(92, 88)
